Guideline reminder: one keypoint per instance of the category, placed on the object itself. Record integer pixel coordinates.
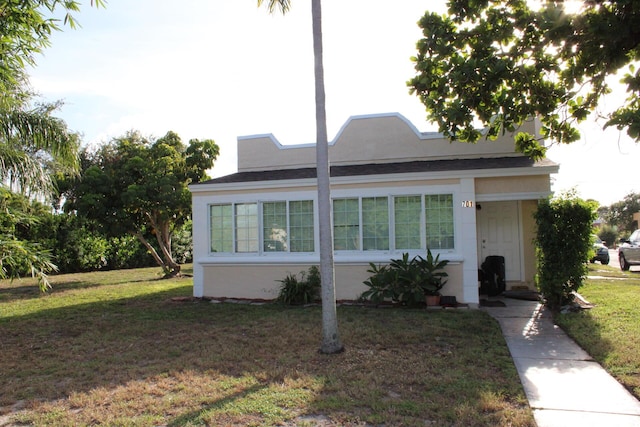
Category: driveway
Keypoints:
(613, 258)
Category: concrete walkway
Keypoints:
(564, 385)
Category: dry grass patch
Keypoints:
(108, 351)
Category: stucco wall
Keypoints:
(261, 281)
(513, 185)
(371, 139)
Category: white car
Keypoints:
(629, 251)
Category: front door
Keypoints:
(499, 234)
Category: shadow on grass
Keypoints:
(194, 417)
(588, 326)
(587, 332)
(609, 331)
(401, 367)
(26, 291)
(26, 288)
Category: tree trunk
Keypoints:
(171, 269)
(150, 248)
(163, 236)
(330, 337)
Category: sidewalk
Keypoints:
(564, 386)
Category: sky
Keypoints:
(219, 69)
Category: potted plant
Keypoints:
(433, 277)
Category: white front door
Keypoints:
(499, 234)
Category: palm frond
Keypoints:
(22, 172)
(36, 129)
(19, 257)
(283, 5)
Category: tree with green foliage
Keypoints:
(563, 246)
(499, 63)
(26, 27)
(331, 342)
(608, 234)
(31, 138)
(138, 186)
(33, 143)
(20, 256)
(34, 146)
(620, 214)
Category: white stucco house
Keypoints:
(394, 190)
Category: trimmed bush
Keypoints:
(563, 247)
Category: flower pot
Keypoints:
(432, 300)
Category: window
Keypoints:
(301, 226)
(438, 210)
(286, 227)
(407, 211)
(221, 220)
(418, 221)
(375, 223)
(379, 223)
(246, 222)
(274, 226)
(346, 224)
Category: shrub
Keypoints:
(82, 245)
(380, 284)
(81, 250)
(127, 252)
(563, 247)
(406, 281)
(303, 290)
(182, 243)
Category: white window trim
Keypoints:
(454, 255)
(278, 197)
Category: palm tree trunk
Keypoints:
(330, 337)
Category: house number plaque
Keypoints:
(468, 204)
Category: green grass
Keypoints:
(116, 348)
(610, 332)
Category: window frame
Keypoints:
(376, 255)
(260, 227)
(391, 213)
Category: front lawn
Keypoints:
(117, 348)
(610, 332)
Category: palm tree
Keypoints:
(30, 137)
(18, 256)
(33, 144)
(330, 338)
(283, 5)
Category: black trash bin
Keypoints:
(493, 276)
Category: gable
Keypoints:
(374, 139)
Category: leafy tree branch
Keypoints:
(497, 64)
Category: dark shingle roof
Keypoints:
(385, 168)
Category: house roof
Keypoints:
(448, 165)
